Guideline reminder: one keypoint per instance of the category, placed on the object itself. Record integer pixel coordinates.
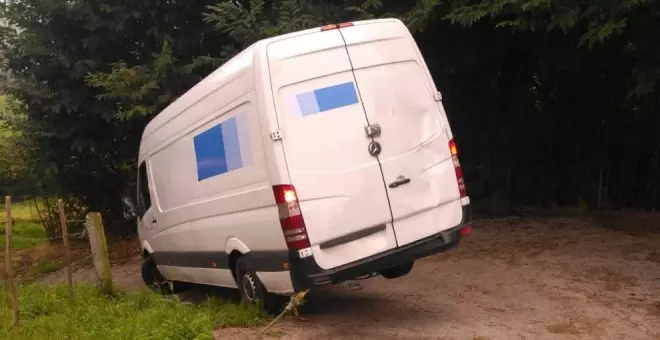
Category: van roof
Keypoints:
(222, 75)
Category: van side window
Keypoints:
(144, 200)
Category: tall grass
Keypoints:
(47, 314)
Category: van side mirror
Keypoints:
(129, 208)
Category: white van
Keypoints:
(309, 158)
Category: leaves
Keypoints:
(519, 77)
(14, 152)
(601, 20)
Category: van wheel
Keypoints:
(398, 271)
(253, 291)
(155, 280)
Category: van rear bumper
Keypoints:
(305, 273)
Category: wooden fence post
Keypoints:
(99, 246)
(10, 267)
(65, 240)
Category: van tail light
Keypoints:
(336, 26)
(453, 149)
(291, 219)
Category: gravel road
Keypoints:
(513, 278)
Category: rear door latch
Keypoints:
(372, 130)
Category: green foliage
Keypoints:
(598, 20)
(259, 19)
(14, 156)
(545, 96)
(631, 24)
(422, 15)
(47, 313)
(92, 75)
(249, 21)
(138, 91)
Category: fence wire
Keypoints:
(78, 235)
(33, 278)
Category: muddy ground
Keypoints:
(513, 278)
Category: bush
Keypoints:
(47, 314)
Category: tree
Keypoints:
(14, 158)
(592, 71)
(58, 59)
(552, 101)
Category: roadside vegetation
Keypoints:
(513, 75)
(46, 313)
(28, 231)
(554, 105)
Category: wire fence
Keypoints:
(79, 235)
(38, 277)
(93, 230)
(35, 209)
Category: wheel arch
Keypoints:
(146, 249)
(236, 249)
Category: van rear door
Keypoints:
(339, 185)
(399, 95)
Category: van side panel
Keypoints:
(216, 157)
(212, 184)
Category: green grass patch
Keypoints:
(27, 231)
(24, 235)
(46, 313)
(21, 211)
(47, 266)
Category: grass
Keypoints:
(24, 235)
(47, 266)
(23, 210)
(47, 314)
(27, 231)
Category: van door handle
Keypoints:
(399, 181)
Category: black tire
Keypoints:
(155, 280)
(398, 271)
(252, 291)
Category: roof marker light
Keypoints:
(336, 26)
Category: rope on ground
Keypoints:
(33, 278)
(294, 303)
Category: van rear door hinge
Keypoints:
(276, 135)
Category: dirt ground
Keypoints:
(513, 278)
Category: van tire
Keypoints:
(398, 270)
(155, 281)
(252, 291)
